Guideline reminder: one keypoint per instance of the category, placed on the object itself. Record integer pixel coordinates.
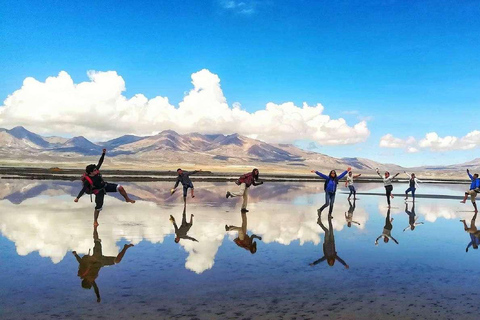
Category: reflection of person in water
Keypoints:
(89, 266)
(349, 216)
(244, 240)
(329, 252)
(473, 232)
(181, 233)
(412, 218)
(387, 230)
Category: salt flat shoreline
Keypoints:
(32, 173)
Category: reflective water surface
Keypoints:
(210, 261)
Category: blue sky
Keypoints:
(407, 67)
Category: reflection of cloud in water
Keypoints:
(431, 209)
(55, 225)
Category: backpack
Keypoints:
(90, 190)
(241, 179)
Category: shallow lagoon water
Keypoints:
(427, 275)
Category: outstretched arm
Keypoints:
(320, 174)
(357, 223)
(469, 175)
(406, 228)
(177, 182)
(378, 172)
(469, 245)
(342, 174)
(190, 238)
(257, 183)
(376, 240)
(318, 261)
(358, 175)
(100, 162)
(80, 194)
(342, 262)
(394, 239)
(79, 260)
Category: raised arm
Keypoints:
(342, 174)
(358, 175)
(378, 172)
(320, 174)
(100, 162)
(408, 174)
(469, 175)
(318, 261)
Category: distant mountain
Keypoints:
(79, 145)
(169, 148)
(29, 137)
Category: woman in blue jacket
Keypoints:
(331, 182)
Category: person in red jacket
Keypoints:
(244, 182)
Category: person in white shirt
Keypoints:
(387, 182)
(349, 184)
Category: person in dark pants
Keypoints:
(184, 178)
(181, 233)
(90, 265)
(387, 230)
(350, 184)
(412, 218)
(93, 183)
(329, 252)
(412, 185)
(387, 181)
(331, 182)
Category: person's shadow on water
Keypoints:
(329, 252)
(90, 265)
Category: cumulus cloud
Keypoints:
(433, 142)
(97, 109)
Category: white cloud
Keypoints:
(245, 7)
(433, 142)
(98, 110)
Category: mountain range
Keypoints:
(168, 149)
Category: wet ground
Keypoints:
(428, 274)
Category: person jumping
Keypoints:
(474, 189)
(93, 183)
(387, 182)
(184, 178)
(412, 185)
(331, 182)
(351, 187)
(244, 182)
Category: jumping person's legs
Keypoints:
(240, 192)
(112, 187)
(99, 197)
(473, 196)
(245, 199)
(465, 197)
(388, 193)
(122, 253)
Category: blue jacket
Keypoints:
(331, 183)
(475, 182)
